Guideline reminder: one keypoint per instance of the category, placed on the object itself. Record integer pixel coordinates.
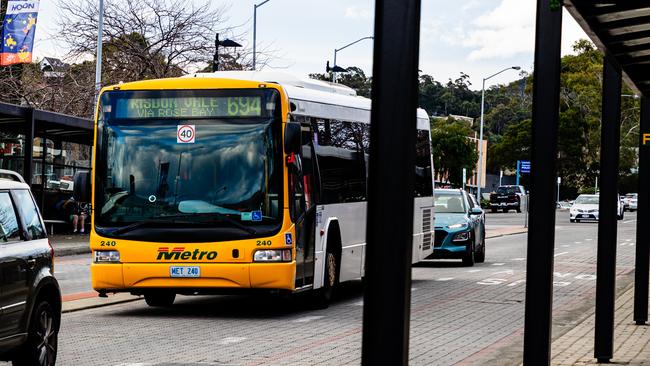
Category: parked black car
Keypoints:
(30, 298)
(507, 198)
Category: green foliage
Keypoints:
(452, 150)
(355, 78)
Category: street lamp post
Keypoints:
(336, 50)
(224, 43)
(255, 6)
(480, 141)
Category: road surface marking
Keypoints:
(414, 289)
(518, 259)
(629, 221)
(589, 239)
(444, 279)
(498, 264)
(231, 340)
(562, 253)
(358, 303)
(577, 242)
(474, 270)
(306, 319)
(508, 272)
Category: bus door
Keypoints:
(303, 191)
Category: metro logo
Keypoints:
(179, 253)
(646, 138)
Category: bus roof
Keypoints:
(315, 98)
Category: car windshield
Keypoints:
(449, 203)
(507, 190)
(587, 200)
(207, 162)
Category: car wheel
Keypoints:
(42, 339)
(160, 298)
(469, 259)
(621, 216)
(577, 220)
(572, 220)
(321, 297)
(480, 256)
(494, 210)
(505, 210)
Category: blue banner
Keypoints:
(18, 29)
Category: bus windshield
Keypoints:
(188, 159)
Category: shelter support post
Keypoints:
(387, 295)
(642, 265)
(28, 150)
(608, 211)
(541, 229)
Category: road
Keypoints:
(459, 315)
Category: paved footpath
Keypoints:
(631, 341)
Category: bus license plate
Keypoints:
(184, 271)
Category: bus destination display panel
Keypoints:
(188, 107)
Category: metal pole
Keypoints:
(334, 72)
(541, 225)
(215, 61)
(480, 147)
(500, 177)
(98, 58)
(518, 165)
(642, 265)
(28, 150)
(387, 295)
(255, 6)
(254, 34)
(558, 190)
(607, 209)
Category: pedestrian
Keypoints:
(77, 213)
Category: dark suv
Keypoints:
(30, 299)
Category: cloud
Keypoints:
(505, 31)
(353, 12)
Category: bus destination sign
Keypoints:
(188, 107)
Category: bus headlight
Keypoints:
(272, 255)
(107, 256)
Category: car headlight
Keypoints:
(107, 256)
(272, 255)
(461, 236)
(457, 226)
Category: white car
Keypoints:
(632, 201)
(585, 208)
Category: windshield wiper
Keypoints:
(171, 219)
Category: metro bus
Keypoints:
(218, 182)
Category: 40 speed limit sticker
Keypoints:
(185, 134)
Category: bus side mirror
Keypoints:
(82, 187)
(292, 138)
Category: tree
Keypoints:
(143, 39)
(355, 78)
(452, 150)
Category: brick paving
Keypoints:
(459, 316)
(631, 341)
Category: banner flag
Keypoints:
(18, 29)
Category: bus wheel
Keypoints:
(159, 298)
(322, 296)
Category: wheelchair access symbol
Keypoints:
(288, 240)
(256, 215)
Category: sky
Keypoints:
(476, 37)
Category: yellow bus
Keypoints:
(229, 181)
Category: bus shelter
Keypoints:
(621, 30)
(47, 149)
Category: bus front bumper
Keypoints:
(127, 277)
